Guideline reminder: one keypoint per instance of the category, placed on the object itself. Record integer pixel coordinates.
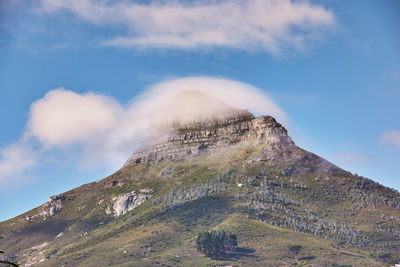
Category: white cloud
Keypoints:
(233, 93)
(63, 116)
(14, 160)
(106, 132)
(391, 136)
(270, 25)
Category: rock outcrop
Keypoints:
(51, 207)
(192, 138)
(127, 202)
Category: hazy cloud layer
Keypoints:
(236, 94)
(105, 132)
(14, 160)
(392, 137)
(351, 159)
(270, 25)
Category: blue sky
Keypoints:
(332, 67)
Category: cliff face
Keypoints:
(241, 128)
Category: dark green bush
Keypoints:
(216, 243)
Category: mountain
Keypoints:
(229, 172)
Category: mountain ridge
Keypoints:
(243, 174)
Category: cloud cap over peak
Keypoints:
(217, 95)
(269, 25)
(98, 131)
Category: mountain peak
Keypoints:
(212, 134)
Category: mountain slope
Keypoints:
(238, 173)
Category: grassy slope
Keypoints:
(92, 238)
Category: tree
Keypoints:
(231, 242)
(216, 243)
(295, 250)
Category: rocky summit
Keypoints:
(229, 173)
(180, 141)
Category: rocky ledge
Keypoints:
(183, 140)
(122, 204)
(51, 207)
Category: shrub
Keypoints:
(216, 243)
(296, 250)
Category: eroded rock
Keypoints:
(127, 202)
(186, 140)
(35, 254)
(51, 207)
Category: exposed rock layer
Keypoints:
(127, 202)
(210, 136)
(51, 207)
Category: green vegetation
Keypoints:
(215, 243)
(282, 203)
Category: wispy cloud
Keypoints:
(391, 137)
(350, 159)
(99, 131)
(269, 25)
(14, 160)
